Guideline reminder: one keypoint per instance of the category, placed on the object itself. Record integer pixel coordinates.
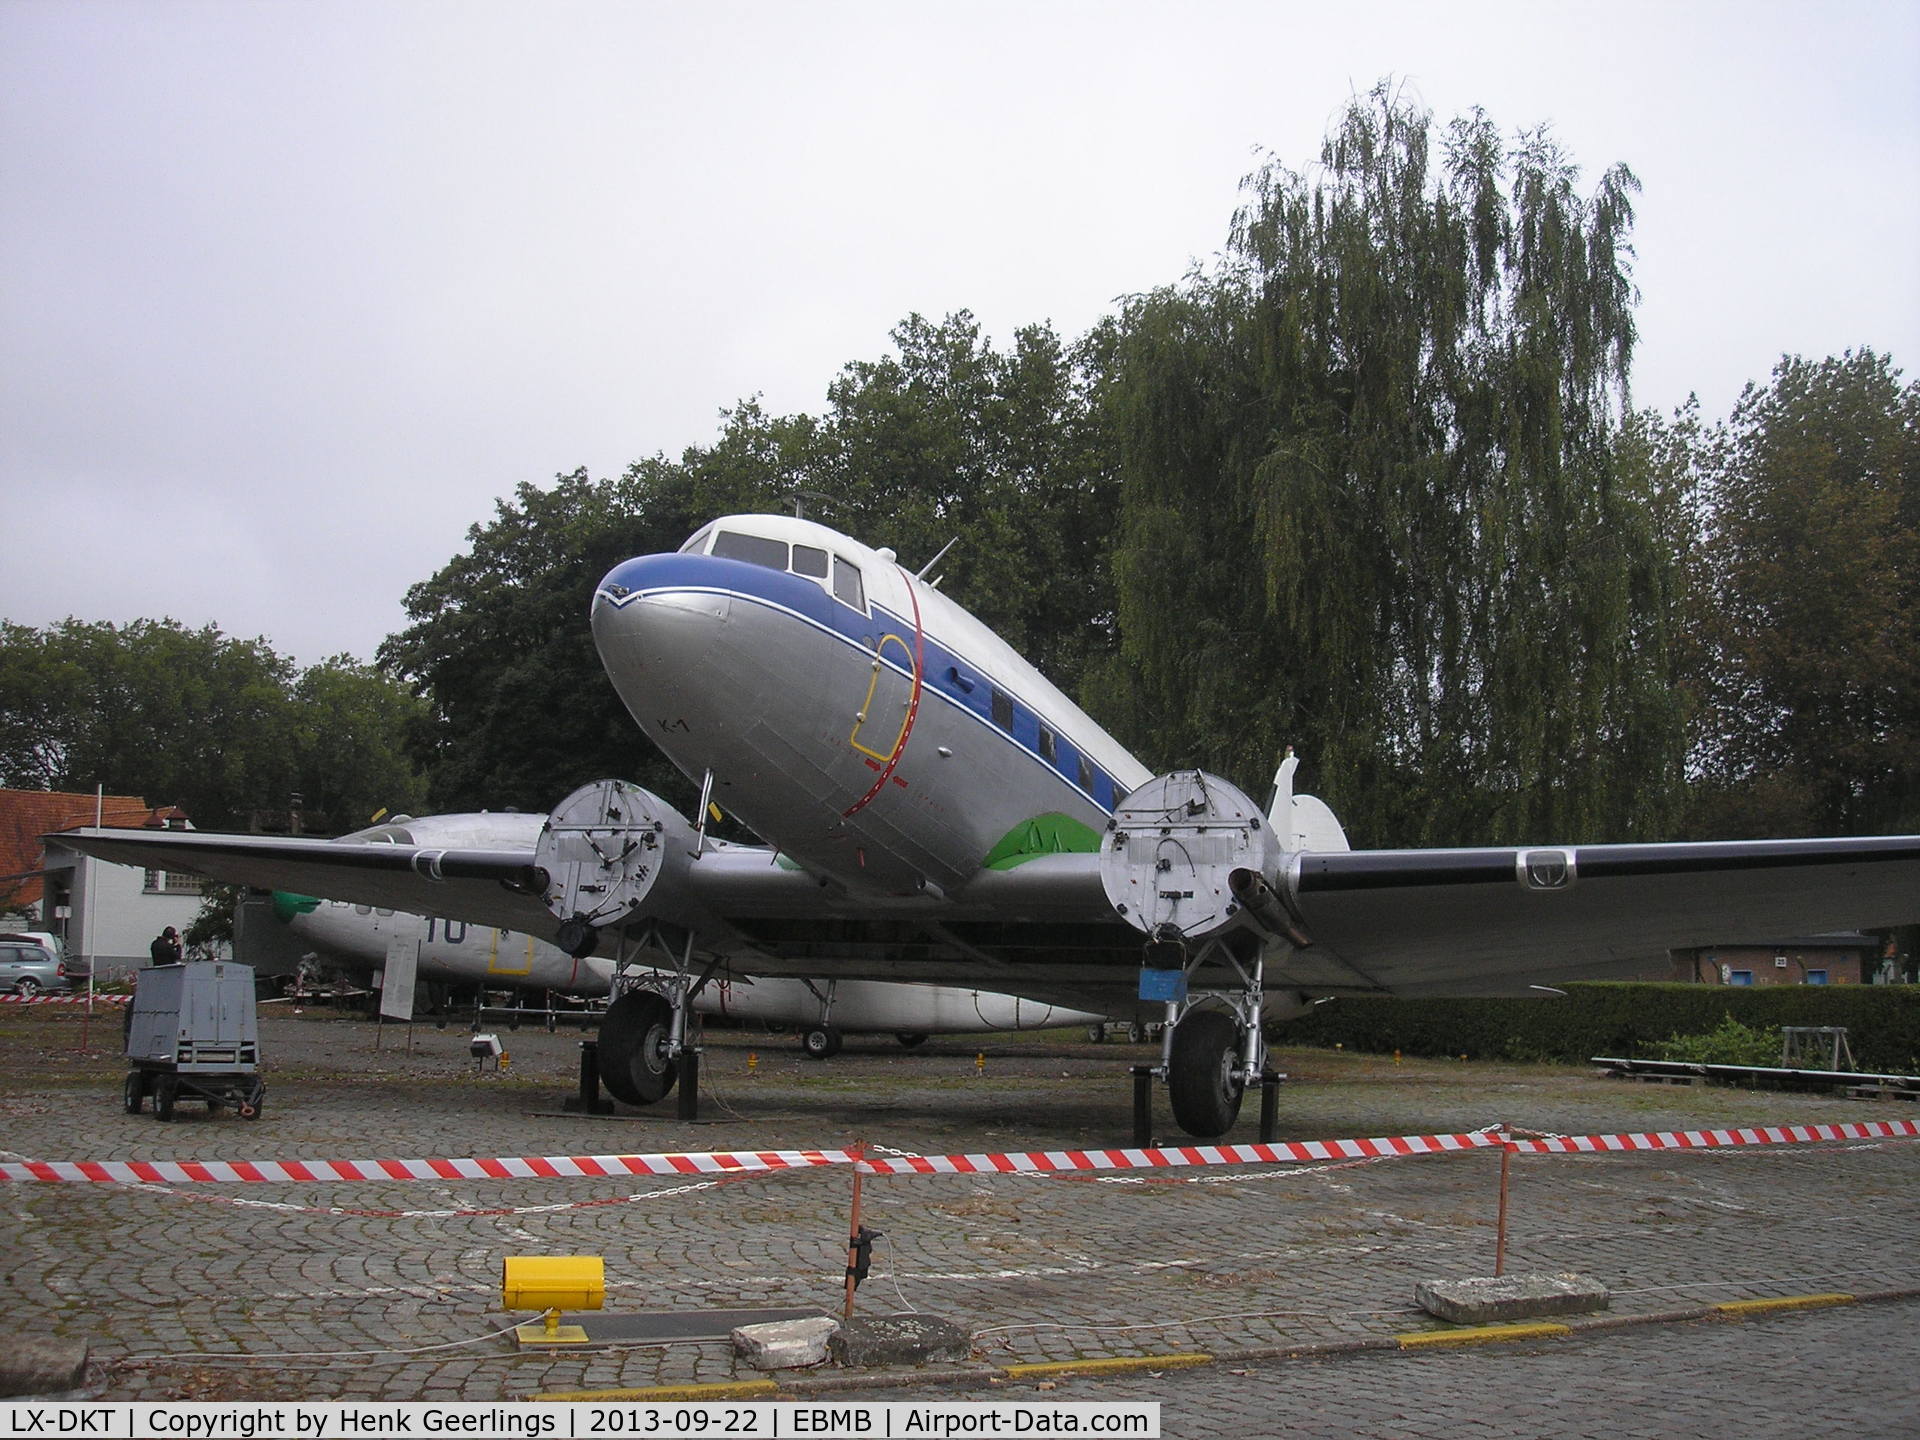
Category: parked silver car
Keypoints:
(27, 968)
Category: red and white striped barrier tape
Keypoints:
(1714, 1139)
(1051, 1162)
(1030, 1162)
(555, 1167)
(63, 999)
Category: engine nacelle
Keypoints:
(604, 849)
(1179, 854)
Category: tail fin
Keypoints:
(1302, 822)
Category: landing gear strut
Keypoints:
(1212, 1052)
(821, 1041)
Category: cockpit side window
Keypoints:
(754, 549)
(810, 561)
(846, 585)
(698, 544)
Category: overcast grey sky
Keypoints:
(290, 293)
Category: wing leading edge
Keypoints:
(499, 887)
(1493, 921)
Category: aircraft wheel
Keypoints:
(821, 1042)
(135, 1092)
(911, 1038)
(634, 1065)
(1202, 1085)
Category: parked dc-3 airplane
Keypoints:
(938, 812)
(822, 1011)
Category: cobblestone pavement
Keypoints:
(1843, 1372)
(389, 1290)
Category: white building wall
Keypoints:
(117, 910)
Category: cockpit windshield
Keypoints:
(754, 549)
(835, 573)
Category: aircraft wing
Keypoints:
(1412, 922)
(475, 885)
(1494, 921)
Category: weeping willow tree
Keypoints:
(1372, 505)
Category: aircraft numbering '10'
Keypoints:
(937, 812)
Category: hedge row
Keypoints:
(1882, 1021)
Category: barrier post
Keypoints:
(1500, 1234)
(859, 1152)
(1142, 1106)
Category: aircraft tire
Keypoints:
(821, 1042)
(633, 1048)
(911, 1038)
(1201, 1086)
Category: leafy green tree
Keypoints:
(1002, 453)
(1812, 626)
(219, 726)
(351, 723)
(1371, 505)
(192, 718)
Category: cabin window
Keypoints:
(1047, 747)
(1085, 775)
(698, 544)
(754, 549)
(810, 561)
(1003, 710)
(846, 585)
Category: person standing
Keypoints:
(165, 949)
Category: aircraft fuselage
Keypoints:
(860, 721)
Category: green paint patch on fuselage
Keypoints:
(1052, 834)
(286, 905)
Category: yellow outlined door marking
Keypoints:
(866, 715)
(494, 967)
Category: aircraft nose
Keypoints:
(657, 616)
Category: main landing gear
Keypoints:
(1206, 1078)
(637, 1060)
(1189, 861)
(602, 852)
(821, 1040)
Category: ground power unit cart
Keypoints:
(193, 1034)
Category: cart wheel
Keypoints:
(134, 1091)
(165, 1090)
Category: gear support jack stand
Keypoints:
(1143, 1075)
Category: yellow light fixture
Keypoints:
(552, 1283)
